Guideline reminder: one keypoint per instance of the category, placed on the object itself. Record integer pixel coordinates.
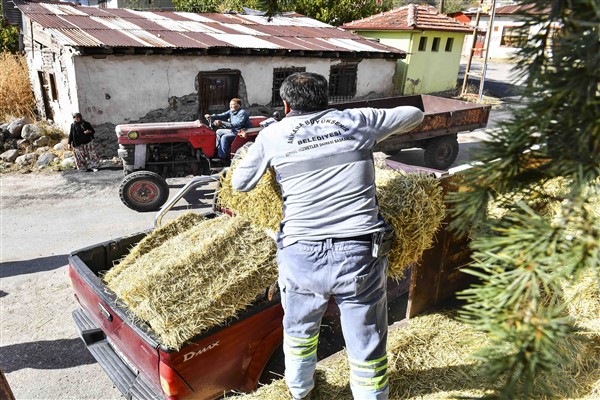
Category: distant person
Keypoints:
(232, 122)
(81, 138)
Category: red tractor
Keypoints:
(152, 152)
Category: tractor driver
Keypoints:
(232, 122)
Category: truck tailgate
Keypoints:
(131, 349)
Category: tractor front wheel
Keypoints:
(144, 191)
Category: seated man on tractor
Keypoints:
(232, 121)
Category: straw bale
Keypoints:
(198, 279)
(582, 298)
(430, 358)
(262, 205)
(158, 236)
(412, 203)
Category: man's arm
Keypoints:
(249, 171)
(387, 121)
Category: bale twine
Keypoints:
(412, 203)
(198, 279)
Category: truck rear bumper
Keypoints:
(131, 384)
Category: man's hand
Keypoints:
(217, 123)
(207, 116)
(242, 133)
(87, 131)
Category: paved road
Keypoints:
(43, 218)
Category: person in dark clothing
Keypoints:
(81, 138)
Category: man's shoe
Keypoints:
(95, 169)
(307, 397)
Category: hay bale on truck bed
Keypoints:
(197, 279)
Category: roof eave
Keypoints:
(235, 51)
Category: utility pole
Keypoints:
(442, 6)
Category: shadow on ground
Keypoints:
(45, 354)
(14, 268)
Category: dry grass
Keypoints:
(184, 284)
(430, 358)
(15, 88)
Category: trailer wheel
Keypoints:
(441, 152)
(144, 191)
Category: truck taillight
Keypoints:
(172, 384)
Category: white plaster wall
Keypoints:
(118, 89)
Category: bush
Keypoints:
(15, 88)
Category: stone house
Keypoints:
(433, 43)
(120, 66)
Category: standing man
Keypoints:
(232, 120)
(81, 137)
(324, 165)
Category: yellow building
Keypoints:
(432, 40)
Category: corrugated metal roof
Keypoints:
(409, 17)
(109, 27)
(522, 9)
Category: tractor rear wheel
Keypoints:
(441, 152)
(144, 191)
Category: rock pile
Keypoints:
(28, 144)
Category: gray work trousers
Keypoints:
(310, 272)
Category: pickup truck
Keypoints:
(246, 349)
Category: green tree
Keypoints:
(524, 258)
(9, 35)
(338, 12)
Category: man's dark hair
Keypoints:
(305, 91)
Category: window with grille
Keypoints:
(422, 43)
(342, 82)
(449, 44)
(279, 75)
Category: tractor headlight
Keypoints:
(133, 135)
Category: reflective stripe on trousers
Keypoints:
(310, 272)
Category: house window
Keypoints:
(342, 82)
(449, 43)
(53, 90)
(513, 36)
(279, 75)
(422, 43)
(435, 46)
